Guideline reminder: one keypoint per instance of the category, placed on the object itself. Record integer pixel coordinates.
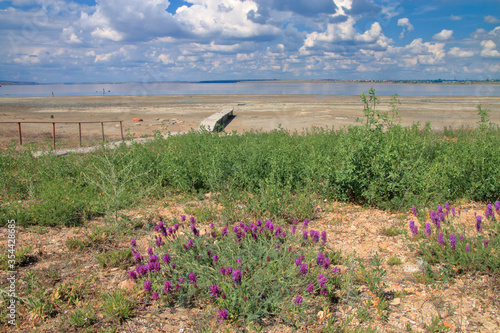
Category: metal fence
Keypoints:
(19, 123)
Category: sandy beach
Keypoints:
(180, 113)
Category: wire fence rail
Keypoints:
(19, 126)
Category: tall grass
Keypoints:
(279, 174)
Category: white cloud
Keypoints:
(407, 26)
(489, 49)
(443, 35)
(455, 17)
(457, 52)
(491, 19)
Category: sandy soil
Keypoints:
(182, 113)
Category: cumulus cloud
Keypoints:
(443, 35)
(407, 26)
(489, 49)
(491, 19)
(458, 52)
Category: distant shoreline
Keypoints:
(321, 81)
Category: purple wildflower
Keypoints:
(133, 242)
(142, 269)
(212, 226)
(192, 220)
(485, 243)
(214, 290)
(447, 205)
(237, 276)
(224, 231)
(497, 206)
(259, 223)
(215, 257)
(192, 277)
(268, 258)
(167, 287)
(189, 244)
(414, 210)
(153, 258)
(222, 271)
(269, 225)
(321, 258)
(155, 296)
(336, 270)
(322, 281)
(306, 223)
(198, 257)
(154, 266)
(132, 275)
(298, 300)
(324, 292)
(298, 261)
(176, 226)
(453, 211)
(277, 231)
(166, 258)
(304, 234)
(294, 228)
(239, 261)
(209, 252)
(323, 236)
(310, 288)
(223, 296)
(147, 285)
(453, 241)
(277, 246)
(173, 266)
(150, 251)
(137, 257)
(441, 238)
(303, 269)
(428, 230)
(222, 315)
(467, 249)
(183, 217)
(214, 234)
(229, 270)
(314, 235)
(488, 213)
(478, 223)
(440, 209)
(294, 221)
(326, 263)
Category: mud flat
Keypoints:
(181, 113)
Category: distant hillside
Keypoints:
(14, 83)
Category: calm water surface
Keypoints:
(246, 88)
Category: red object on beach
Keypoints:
(138, 119)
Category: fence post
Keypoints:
(20, 134)
(80, 133)
(121, 128)
(102, 129)
(54, 135)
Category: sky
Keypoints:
(60, 41)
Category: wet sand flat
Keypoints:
(180, 113)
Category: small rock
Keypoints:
(396, 301)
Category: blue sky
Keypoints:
(51, 41)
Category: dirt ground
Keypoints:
(469, 304)
(182, 113)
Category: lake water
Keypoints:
(246, 88)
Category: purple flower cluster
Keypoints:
(222, 315)
(303, 269)
(428, 230)
(479, 226)
(413, 228)
(322, 281)
(214, 290)
(237, 276)
(298, 300)
(453, 241)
